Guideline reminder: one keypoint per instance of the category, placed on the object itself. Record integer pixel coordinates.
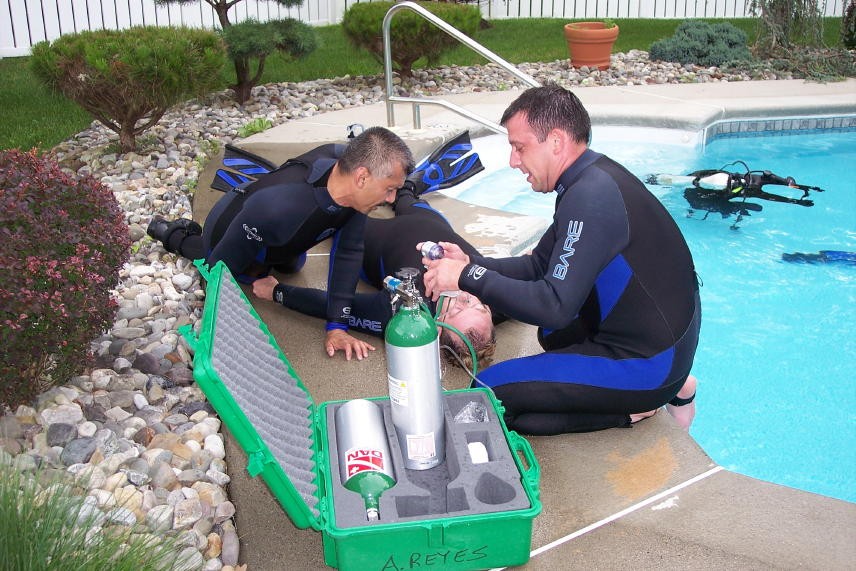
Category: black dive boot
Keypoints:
(161, 230)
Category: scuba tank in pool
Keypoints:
(413, 372)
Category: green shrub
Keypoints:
(702, 43)
(63, 242)
(127, 79)
(848, 26)
(45, 525)
(253, 41)
(257, 125)
(412, 37)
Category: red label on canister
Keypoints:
(364, 460)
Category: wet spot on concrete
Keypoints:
(643, 474)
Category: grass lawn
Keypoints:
(31, 116)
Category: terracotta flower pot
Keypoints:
(590, 43)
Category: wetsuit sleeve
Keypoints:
(346, 257)
(589, 228)
(527, 267)
(370, 312)
(264, 219)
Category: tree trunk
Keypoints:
(127, 140)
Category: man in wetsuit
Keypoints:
(390, 244)
(611, 285)
(272, 222)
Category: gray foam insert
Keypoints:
(252, 369)
(457, 487)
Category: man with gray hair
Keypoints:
(273, 221)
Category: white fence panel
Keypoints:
(23, 23)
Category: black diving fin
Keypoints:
(240, 167)
(451, 163)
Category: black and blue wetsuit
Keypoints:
(613, 289)
(275, 220)
(390, 244)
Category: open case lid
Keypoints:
(252, 386)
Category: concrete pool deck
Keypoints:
(645, 497)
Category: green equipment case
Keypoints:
(461, 515)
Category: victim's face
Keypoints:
(464, 311)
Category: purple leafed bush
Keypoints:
(62, 242)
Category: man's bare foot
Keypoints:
(634, 418)
(684, 414)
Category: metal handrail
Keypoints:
(391, 98)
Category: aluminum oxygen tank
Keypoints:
(365, 464)
(413, 374)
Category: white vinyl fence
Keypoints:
(24, 23)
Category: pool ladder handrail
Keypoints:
(392, 99)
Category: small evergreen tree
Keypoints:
(412, 37)
(251, 41)
(127, 79)
(254, 41)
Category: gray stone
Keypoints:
(160, 518)
(128, 332)
(11, 446)
(94, 412)
(163, 476)
(224, 511)
(67, 413)
(107, 441)
(121, 365)
(78, 451)
(231, 547)
(189, 559)
(175, 420)
(188, 477)
(187, 512)
(147, 363)
(121, 516)
(61, 433)
(180, 375)
(10, 427)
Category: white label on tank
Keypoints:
(397, 391)
(421, 446)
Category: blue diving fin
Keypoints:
(451, 163)
(240, 167)
(225, 181)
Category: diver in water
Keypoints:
(725, 192)
(822, 257)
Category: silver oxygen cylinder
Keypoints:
(413, 374)
(365, 464)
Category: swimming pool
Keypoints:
(776, 357)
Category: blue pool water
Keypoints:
(777, 394)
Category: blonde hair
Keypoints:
(459, 353)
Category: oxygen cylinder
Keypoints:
(432, 250)
(365, 464)
(413, 373)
